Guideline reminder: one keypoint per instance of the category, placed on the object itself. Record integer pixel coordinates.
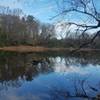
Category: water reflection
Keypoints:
(37, 77)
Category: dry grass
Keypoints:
(26, 49)
(23, 49)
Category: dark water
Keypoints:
(49, 76)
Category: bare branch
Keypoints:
(82, 7)
(83, 25)
(95, 11)
(87, 43)
(83, 12)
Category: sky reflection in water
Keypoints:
(61, 83)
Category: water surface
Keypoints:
(49, 76)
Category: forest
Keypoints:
(18, 29)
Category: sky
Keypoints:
(43, 10)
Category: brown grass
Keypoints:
(26, 49)
(23, 49)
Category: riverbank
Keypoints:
(39, 49)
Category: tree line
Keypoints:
(16, 29)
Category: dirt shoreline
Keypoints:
(40, 49)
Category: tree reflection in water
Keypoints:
(15, 69)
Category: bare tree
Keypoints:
(32, 28)
(47, 31)
(89, 13)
